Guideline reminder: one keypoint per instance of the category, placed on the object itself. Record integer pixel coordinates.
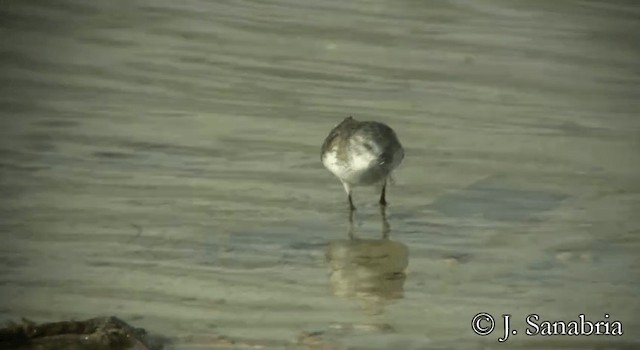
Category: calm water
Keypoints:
(159, 161)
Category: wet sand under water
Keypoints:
(159, 161)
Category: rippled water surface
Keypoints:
(159, 161)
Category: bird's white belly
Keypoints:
(361, 169)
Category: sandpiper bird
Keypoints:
(362, 154)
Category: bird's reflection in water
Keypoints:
(371, 272)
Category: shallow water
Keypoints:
(159, 161)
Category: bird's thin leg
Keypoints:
(351, 206)
(347, 189)
(386, 228)
(383, 200)
(351, 228)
